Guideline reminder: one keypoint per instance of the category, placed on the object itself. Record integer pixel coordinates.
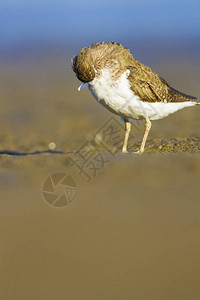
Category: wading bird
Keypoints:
(126, 87)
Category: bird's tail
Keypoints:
(181, 97)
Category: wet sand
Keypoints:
(132, 230)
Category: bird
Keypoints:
(126, 87)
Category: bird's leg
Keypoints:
(127, 131)
(147, 129)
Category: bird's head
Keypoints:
(82, 65)
(90, 61)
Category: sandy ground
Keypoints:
(132, 228)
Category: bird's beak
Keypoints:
(81, 86)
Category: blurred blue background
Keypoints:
(81, 23)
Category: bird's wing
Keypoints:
(150, 87)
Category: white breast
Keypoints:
(120, 99)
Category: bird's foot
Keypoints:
(124, 150)
(138, 152)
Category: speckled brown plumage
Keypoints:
(144, 82)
